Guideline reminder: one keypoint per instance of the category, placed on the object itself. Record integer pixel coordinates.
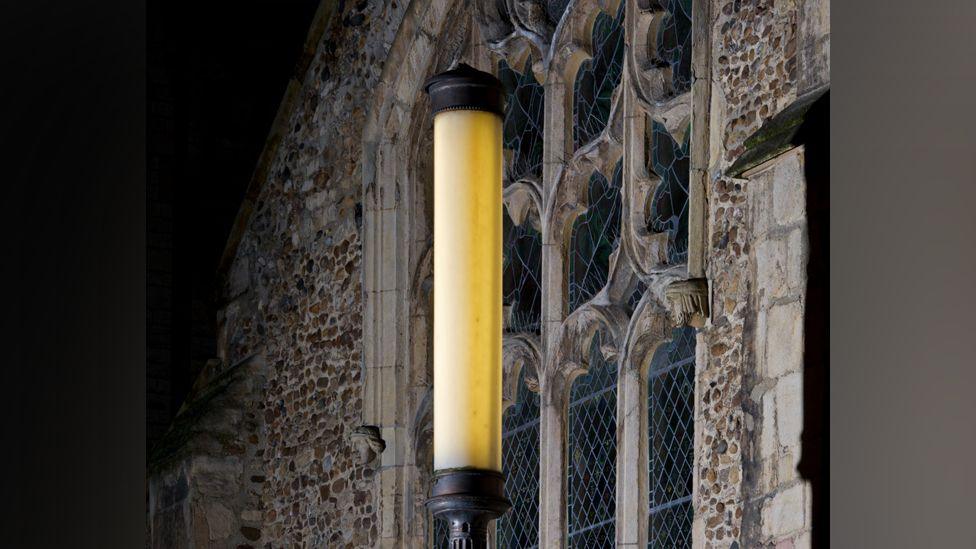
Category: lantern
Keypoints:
(468, 489)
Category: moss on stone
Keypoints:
(776, 136)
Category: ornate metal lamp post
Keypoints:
(468, 488)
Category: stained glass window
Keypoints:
(594, 237)
(555, 9)
(669, 207)
(521, 276)
(523, 121)
(674, 43)
(440, 532)
(670, 405)
(635, 297)
(592, 453)
(519, 527)
(597, 78)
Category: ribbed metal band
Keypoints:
(466, 88)
(468, 499)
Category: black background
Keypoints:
(216, 74)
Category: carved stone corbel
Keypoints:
(688, 301)
(369, 442)
(577, 331)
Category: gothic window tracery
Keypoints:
(674, 43)
(669, 207)
(598, 77)
(592, 452)
(521, 277)
(523, 131)
(523, 137)
(594, 237)
(645, 195)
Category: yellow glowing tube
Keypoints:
(467, 290)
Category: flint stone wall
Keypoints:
(293, 296)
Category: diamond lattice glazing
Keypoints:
(519, 527)
(671, 391)
(592, 453)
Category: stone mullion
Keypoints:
(631, 490)
(554, 287)
(552, 466)
(632, 504)
(552, 431)
(701, 127)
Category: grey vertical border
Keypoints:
(902, 270)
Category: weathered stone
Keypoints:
(769, 444)
(789, 409)
(216, 477)
(796, 261)
(789, 194)
(784, 339)
(783, 512)
(221, 521)
(252, 515)
(771, 273)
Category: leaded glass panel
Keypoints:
(669, 206)
(555, 10)
(674, 43)
(594, 237)
(521, 276)
(519, 527)
(598, 77)
(670, 407)
(440, 533)
(592, 453)
(635, 297)
(524, 111)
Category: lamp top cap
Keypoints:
(465, 88)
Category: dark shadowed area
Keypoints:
(216, 73)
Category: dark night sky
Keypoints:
(216, 73)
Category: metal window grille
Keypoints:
(592, 454)
(670, 406)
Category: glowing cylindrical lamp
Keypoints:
(468, 488)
